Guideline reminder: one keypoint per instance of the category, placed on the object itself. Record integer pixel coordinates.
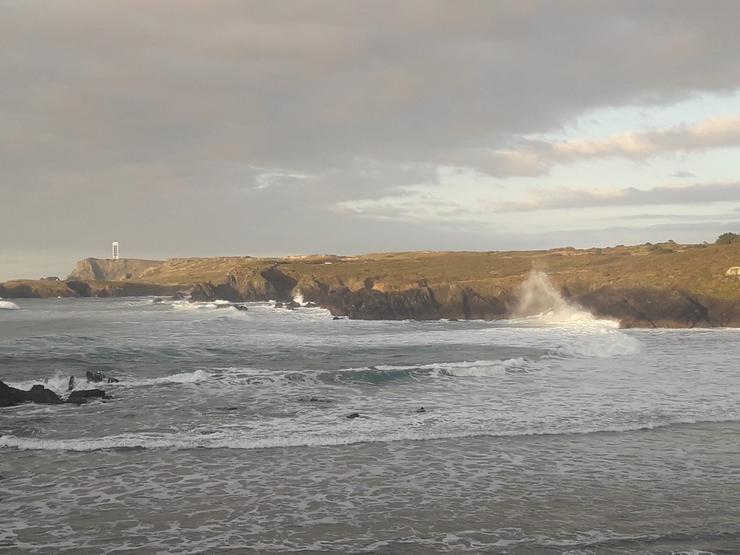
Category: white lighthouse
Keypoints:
(116, 254)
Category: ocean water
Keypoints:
(228, 432)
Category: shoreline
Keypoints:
(665, 285)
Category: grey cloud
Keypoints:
(567, 198)
(178, 124)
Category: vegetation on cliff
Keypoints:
(664, 284)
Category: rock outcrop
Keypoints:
(100, 269)
(11, 396)
(42, 289)
(662, 285)
(80, 396)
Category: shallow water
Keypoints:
(228, 430)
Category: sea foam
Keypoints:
(244, 440)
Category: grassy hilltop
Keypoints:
(697, 268)
(653, 285)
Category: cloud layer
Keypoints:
(188, 127)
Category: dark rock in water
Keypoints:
(179, 296)
(278, 305)
(10, 396)
(421, 409)
(290, 305)
(231, 408)
(336, 318)
(208, 292)
(97, 377)
(240, 307)
(71, 384)
(39, 394)
(157, 300)
(79, 397)
(314, 400)
(353, 415)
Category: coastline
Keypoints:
(645, 286)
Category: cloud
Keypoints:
(535, 158)
(682, 174)
(182, 127)
(568, 198)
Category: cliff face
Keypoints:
(34, 289)
(98, 269)
(666, 285)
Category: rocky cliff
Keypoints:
(99, 269)
(34, 289)
(664, 285)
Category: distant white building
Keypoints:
(116, 253)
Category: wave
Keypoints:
(541, 302)
(239, 376)
(8, 305)
(59, 382)
(180, 378)
(384, 373)
(236, 440)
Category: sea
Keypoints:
(272, 430)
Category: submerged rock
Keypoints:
(314, 400)
(421, 409)
(97, 377)
(11, 396)
(79, 397)
(353, 415)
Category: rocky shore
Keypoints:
(663, 285)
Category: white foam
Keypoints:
(243, 440)
(182, 378)
(298, 298)
(540, 301)
(476, 368)
(8, 305)
(58, 383)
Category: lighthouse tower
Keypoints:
(115, 250)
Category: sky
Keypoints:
(232, 127)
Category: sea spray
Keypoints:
(538, 297)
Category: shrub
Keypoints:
(727, 239)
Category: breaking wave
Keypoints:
(8, 305)
(59, 382)
(540, 300)
(242, 440)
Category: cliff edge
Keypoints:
(650, 285)
(107, 269)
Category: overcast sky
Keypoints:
(196, 128)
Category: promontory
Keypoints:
(651, 285)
